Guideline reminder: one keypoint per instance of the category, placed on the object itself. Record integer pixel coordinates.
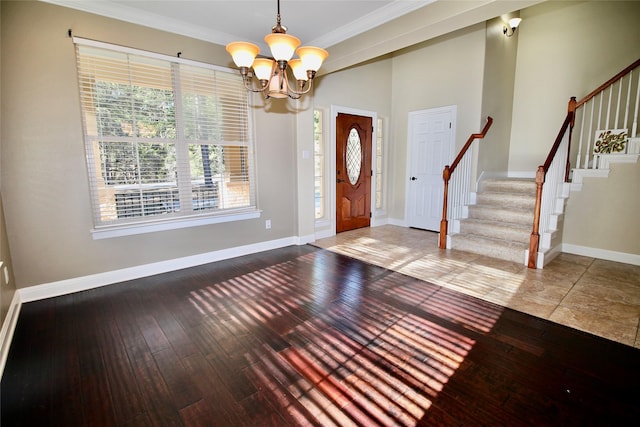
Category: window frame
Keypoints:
(189, 217)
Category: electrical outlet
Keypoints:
(267, 224)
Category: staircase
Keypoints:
(499, 224)
(521, 219)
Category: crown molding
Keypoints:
(133, 15)
(371, 20)
(151, 20)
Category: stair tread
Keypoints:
(510, 186)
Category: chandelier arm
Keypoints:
(292, 91)
(247, 79)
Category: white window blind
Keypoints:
(318, 146)
(165, 138)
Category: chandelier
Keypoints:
(271, 73)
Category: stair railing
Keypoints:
(623, 89)
(553, 173)
(608, 107)
(460, 186)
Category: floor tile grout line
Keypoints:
(570, 289)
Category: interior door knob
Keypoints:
(413, 178)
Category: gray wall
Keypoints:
(44, 180)
(565, 49)
(444, 71)
(497, 97)
(604, 215)
(568, 49)
(7, 290)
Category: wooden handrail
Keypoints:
(608, 83)
(446, 175)
(469, 142)
(541, 173)
(556, 144)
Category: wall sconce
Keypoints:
(510, 28)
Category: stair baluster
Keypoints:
(459, 188)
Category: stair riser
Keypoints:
(494, 251)
(507, 200)
(518, 187)
(506, 233)
(510, 216)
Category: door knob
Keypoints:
(413, 178)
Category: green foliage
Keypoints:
(135, 111)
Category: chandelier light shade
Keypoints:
(263, 68)
(243, 53)
(272, 73)
(282, 46)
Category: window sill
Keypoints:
(108, 232)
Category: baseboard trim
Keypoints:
(601, 254)
(398, 222)
(8, 328)
(68, 286)
(303, 240)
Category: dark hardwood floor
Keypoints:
(303, 336)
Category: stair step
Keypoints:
(519, 233)
(494, 248)
(499, 214)
(509, 185)
(524, 201)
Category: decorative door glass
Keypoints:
(354, 156)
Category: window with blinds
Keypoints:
(165, 138)
(379, 165)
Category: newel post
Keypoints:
(572, 109)
(534, 241)
(444, 224)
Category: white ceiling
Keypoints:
(388, 24)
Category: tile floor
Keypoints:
(596, 296)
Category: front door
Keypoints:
(353, 171)
(430, 149)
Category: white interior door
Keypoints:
(430, 148)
